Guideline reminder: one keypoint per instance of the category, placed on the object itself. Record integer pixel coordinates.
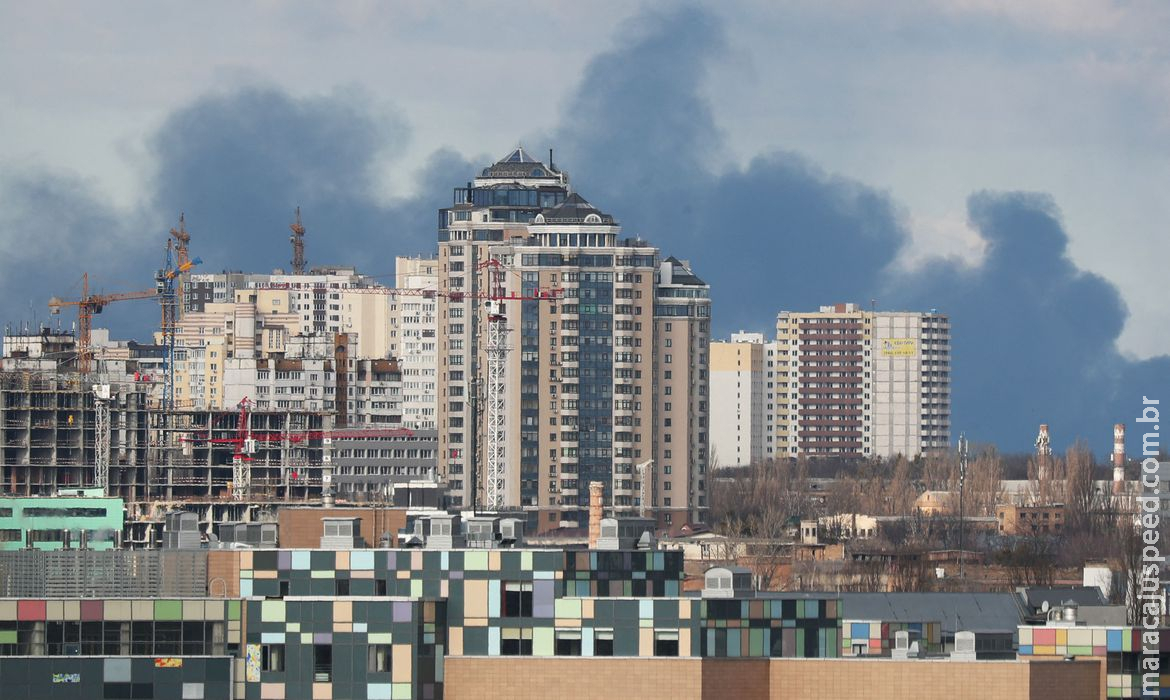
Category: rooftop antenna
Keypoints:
(298, 244)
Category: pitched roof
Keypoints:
(518, 156)
(682, 274)
(517, 164)
(975, 612)
(574, 209)
(1056, 595)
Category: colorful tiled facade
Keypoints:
(1120, 648)
(876, 638)
(424, 605)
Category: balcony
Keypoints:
(852, 337)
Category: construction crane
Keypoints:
(245, 446)
(304, 436)
(101, 411)
(495, 298)
(298, 245)
(182, 257)
(87, 306)
(497, 361)
(168, 290)
(246, 442)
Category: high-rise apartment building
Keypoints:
(838, 382)
(739, 425)
(861, 383)
(413, 339)
(606, 367)
(324, 301)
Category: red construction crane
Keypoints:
(87, 306)
(304, 436)
(541, 294)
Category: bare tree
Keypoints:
(940, 471)
(1128, 562)
(1080, 494)
(983, 488)
(1045, 480)
(1029, 562)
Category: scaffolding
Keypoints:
(49, 430)
(196, 454)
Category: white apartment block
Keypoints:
(739, 422)
(839, 381)
(862, 383)
(413, 339)
(325, 301)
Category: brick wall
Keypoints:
(786, 679)
(223, 565)
(300, 528)
(487, 678)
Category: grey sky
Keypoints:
(929, 101)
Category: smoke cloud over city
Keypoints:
(1033, 335)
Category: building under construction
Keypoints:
(52, 435)
(60, 434)
(49, 429)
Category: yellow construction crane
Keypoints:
(87, 306)
(182, 258)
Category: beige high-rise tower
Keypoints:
(606, 374)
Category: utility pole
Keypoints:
(962, 480)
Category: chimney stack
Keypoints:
(1118, 458)
(1043, 453)
(596, 502)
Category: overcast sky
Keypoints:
(919, 103)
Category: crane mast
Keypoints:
(494, 422)
(101, 412)
(245, 446)
(167, 283)
(298, 245)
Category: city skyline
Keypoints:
(242, 144)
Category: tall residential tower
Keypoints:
(837, 382)
(605, 367)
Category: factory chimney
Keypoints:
(1118, 458)
(1043, 453)
(596, 502)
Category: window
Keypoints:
(568, 643)
(517, 600)
(665, 643)
(341, 587)
(603, 643)
(272, 657)
(516, 642)
(323, 663)
(378, 658)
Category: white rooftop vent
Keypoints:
(727, 582)
(964, 647)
